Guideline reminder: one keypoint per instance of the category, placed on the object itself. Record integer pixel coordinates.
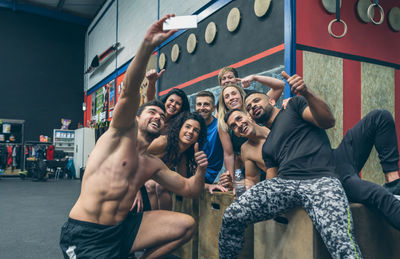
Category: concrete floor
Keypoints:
(31, 216)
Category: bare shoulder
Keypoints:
(152, 163)
(116, 132)
(250, 150)
(245, 149)
(151, 159)
(114, 142)
(158, 145)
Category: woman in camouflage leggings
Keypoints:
(323, 199)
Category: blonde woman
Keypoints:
(232, 97)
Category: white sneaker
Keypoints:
(397, 197)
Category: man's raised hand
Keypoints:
(155, 34)
(153, 76)
(297, 85)
(246, 82)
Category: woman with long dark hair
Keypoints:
(176, 150)
(176, 101)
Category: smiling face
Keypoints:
(232, 98)
(228, 77)
(151, 121)
(240, 124)
(259, 107)
(173, 105)
(189, 133)
(205, 107)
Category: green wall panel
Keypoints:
(324, 76)
(377, 91)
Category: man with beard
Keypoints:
(205, 106)
(297, 149)
(377, 129)
(251, 150)
(100, 224)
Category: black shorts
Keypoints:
(90, 240)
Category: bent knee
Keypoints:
(365, 192)
(381, 114)
(190, 223)
(229, 218)
(187, 226)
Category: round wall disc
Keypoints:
(261, 7)
(191, 43)
(362, 10)
(211, 32)
(330, 5)
(175, 53)
(394, 18)
(161, 61)
(233, 20)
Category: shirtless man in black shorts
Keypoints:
(100, 224)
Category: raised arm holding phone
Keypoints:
(100, 223)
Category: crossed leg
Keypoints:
(375, 129)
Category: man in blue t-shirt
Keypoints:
(205, 106)
(298, 150)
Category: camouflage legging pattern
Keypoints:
(323, 199)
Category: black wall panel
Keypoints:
(253, 36)
(41, 75)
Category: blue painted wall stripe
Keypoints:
(290, 41)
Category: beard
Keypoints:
(265, 116)
(151, 135)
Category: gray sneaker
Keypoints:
(393, 187)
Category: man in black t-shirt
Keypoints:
(376, 129)
(298, 145)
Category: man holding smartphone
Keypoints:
(100, 224)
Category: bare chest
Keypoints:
(255, 155)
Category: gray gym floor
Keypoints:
(31, 216)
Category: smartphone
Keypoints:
(180, 22)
